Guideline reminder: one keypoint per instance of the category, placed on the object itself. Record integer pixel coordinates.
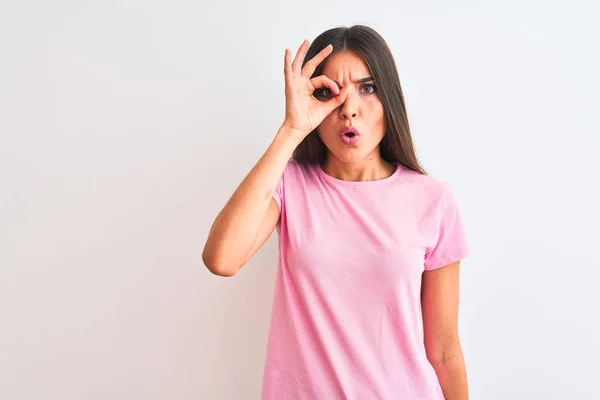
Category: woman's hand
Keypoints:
(303, 111)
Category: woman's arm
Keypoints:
(250, 215)
(439, 300)
(243, 225)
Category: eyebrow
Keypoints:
(363, 80)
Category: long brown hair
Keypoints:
(397, 145)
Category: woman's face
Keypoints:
(362, 110)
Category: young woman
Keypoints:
(367, 289)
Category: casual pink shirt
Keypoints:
(346, 318)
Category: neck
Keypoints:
(369, 169)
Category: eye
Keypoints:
(369, 89)
(323, 93)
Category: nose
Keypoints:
(350, 107)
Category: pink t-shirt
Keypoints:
(346, 318)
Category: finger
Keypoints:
(313, 63)
(336, 101)
(287, 69)
(297, 64)
(323, 81)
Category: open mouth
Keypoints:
(349, 135)
(349, 131)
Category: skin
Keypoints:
(363, 110)
(439, 302)
(249, 217)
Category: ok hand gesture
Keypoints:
(303, 111)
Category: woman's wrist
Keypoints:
(289, 137)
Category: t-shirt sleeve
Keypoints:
(279, 190)
(278, 193)
(450, 244)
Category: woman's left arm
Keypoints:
(439, 301)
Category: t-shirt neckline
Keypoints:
(330, 178)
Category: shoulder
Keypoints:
(296, 170)
(427, 188)
(295, 175)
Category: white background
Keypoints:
(126, 125)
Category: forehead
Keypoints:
(346, 64)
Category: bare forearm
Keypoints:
(236, 227)
(452, 374)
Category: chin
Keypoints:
(350, 155)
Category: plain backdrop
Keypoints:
(126, 125)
